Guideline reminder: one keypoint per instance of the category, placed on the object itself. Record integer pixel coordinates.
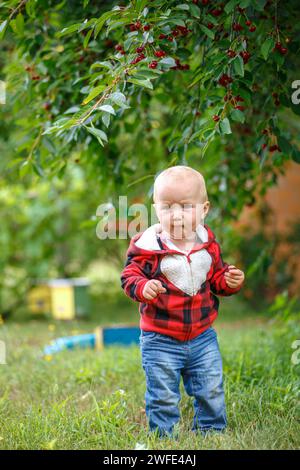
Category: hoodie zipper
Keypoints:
(191, 273)
(192, 281)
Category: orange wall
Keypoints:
(284, 200)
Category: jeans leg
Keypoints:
(203, 379)
(162, 368)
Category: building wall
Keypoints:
(284, 201)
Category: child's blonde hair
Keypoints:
(179, 172)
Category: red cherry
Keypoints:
(283, 50)
(138, 58)
(159, 53)
(140, 49)
(210, 25)
(138, 25)
(216, 118)
(241, 108)
(205, 2)
(162, 36)
(278, 46)
(263, 146)
(245, 56)
(118, 47)
(272, 148)
(224, 80)
(216, 12)
(231, 53)
(237, 27)
(239, 98)
(109, 43)
(183, 29)
(146, 27)
(248, 22)
(252, 28)
(153, 64)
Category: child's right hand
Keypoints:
(152, 288)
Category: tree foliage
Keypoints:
(120, 90)
(131, 84)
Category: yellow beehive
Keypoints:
(64, 299)
(39, 299)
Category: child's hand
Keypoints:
(152, 289)
(234, 277)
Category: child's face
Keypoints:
(179, 208)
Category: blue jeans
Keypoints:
(199, 361)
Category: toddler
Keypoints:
(175, 270)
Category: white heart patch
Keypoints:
(186, 276)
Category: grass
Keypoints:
(85, 399)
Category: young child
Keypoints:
(175, 270)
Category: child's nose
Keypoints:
(177, 213)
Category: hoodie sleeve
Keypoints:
(135, 275)
(218, 283)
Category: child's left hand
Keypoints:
(234, 277)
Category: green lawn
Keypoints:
(95, 400)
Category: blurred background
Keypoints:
(84, 120)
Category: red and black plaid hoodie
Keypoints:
(192, 281)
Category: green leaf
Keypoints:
(238, 65)
(284, 144)
(230, 5)
(296, 155)
(19, 23)
(225, 126)
(100, 135)
(237, 115)
(107, 108)
(183, 6)
(103, 19)
(207, 31)
(118, 98)
(195, 10)
(25, 168)
(106, 119)
(68, 30)
(87, 38)
(168, 61)
(266, 47)
(244, 3)
(94, 92)
(106, 64)
(143, 83)
(3, 27)
(30, 8)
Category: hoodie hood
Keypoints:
(149, 241)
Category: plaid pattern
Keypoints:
(174, 312)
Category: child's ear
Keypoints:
(206, 207)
